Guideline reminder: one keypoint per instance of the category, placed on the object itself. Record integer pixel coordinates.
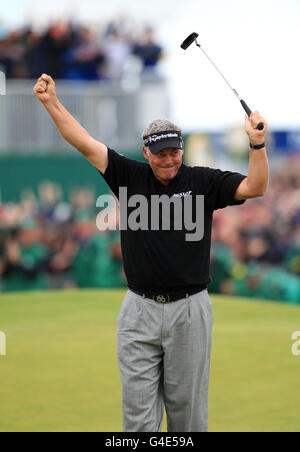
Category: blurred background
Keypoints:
(117, 67)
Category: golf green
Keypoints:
(60, 372)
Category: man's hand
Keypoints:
(255, 136)
(44, 89)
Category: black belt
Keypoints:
(166, 298)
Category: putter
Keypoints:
(193, 38)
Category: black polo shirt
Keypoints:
(163, 261)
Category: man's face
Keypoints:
(165, 164)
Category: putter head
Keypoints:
(189, 40)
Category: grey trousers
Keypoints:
(164, 355)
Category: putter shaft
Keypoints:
(224, 78)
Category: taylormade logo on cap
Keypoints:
(163, 136)
(160, 137)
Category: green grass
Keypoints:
(61, 374)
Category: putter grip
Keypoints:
(248, 111)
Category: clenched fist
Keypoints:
(44, 89)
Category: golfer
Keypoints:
(165, 322)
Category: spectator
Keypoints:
(117, 49)
(98, 261)
(148, 50)
(34, 56)
(24, 259)
(84, 59)
(54, 43)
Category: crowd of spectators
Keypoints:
(76, 52)
(46, 242)
(256, 250)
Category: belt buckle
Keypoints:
(161, 298)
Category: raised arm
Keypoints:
(68, 127)
(256, 183)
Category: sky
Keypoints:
(255, 45)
